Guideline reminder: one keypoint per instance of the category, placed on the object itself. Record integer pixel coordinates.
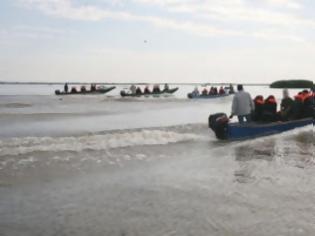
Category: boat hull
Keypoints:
(193, 96)
(98, 91)
(170, 91)
(236, 131)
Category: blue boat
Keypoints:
(124, 93)
(224, 130)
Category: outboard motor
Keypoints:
(190, 95)
(122, 93)
(219, 123)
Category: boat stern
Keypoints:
(219, 124)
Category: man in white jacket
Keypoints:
(242, 105)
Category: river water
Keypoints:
(105, 165)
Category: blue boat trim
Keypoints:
(236, 131)
(224, 130)
(192, 96)
(123, 93)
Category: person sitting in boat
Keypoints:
(138, 91)
(231, 89)
(221, 91)
(204, 91)
(74, 90)
(133, 89)
(242, 105)
(211, 91)
(259, 107)
(215, 91)
(308, 104)
(303, 105)
(286, 106)
(66, 88)
(156, 88)
(146, 90)
(297, 111)
(83, 89)
(166, 87)
(196, 91)
(270, 109)
(93, 87)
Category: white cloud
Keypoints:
(239, 10)
(65, 9)
(26, 32)
(293, 4)
(222, 10)
(263, 19)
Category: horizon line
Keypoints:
(129, 83)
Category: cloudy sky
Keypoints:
(157, 40)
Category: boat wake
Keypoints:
(25, 145)
(15, 105)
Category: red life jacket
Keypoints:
(299, 97)
(259, 100)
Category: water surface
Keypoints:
(104, 165)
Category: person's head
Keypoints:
(285, 93)
(240, 87)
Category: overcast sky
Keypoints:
(157, 40)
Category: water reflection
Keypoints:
(291, 150)
(245, 154)
(299, 150)
(261, 150)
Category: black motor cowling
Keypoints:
(122, 93)
(219, 123)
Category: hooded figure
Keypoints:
(286, 106)
(259, 108)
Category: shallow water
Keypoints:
(103, 165)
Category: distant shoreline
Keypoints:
(140, 83)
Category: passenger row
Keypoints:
(213, 91)
(302, 106)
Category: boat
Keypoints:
(100, 90)
(201, 96)
(224, 130)
(125, 93)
